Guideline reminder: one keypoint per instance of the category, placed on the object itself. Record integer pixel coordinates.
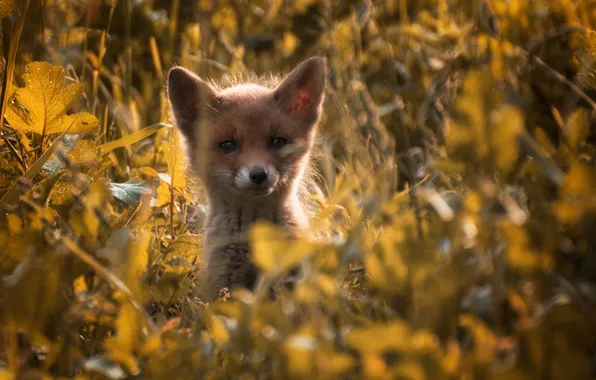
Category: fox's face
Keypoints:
(254, 141)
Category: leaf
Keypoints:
(6, 7)
(131, 139)
(378, 338)
(163, 195)
(225, 21)
(484, 339)
(300, 350)
(520, 254)
(128, 192)
(484, 130)
(84, 151)
(577, 128)
(15, 224)
(105, 366)
(68, 142)
(12, 194)
(289, 44)
(130, 323)
(40, 107)
(272, 249)
(577, 197)
(218, 330)
(95, 199)
(175, 159)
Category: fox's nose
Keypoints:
(258, 175)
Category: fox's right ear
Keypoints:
(190, 97)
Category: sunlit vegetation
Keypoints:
(454, 233)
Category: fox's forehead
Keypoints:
(247, 108)
(245, 91)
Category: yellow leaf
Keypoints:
(301, 6)
(508, 123)
(300, 352)
(25, 142)
(289, 43)
(410, 370)
(520, 254)
(225, 20)
(577, 128)
(83, 152)
(581, 180)
(163, 194)
(378, 338)
(131, 139)
(218, 331)
(176, 160)
(6, 375)
(335, 363)
(79, 285)
(15, 224)
(483, 129)
(452, 359)
(130, 323)
(484, 338)
(41, 105)
(272, 249)
(148, 171)
(96, 198)
(374, 367)
(6, 7)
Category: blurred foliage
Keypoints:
(457, 192)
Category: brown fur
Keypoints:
(251, 116)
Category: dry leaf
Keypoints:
(41, 105)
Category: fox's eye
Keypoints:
(227, 146)
(278, 142)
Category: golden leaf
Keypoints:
(176, 160)
(577, 197)
(273, 251)
(41, 105)
(483, 129)
(96, 198)
(520, 254)
(84, 151)
(335, 363)
(289, 43)
(15, 224)
(577, 128)
(218, 331)
(300, 352)
(225, 20)
(6, 7)
(452, 359)
(378, 338)
(130, 323)
(374, 367)
(163, 194)
(484, 339)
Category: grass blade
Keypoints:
(12, 55)
(132, 138)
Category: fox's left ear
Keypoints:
(301, 93)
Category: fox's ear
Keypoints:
(190, 97)
(301, 93)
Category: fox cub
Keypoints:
(250, 146)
